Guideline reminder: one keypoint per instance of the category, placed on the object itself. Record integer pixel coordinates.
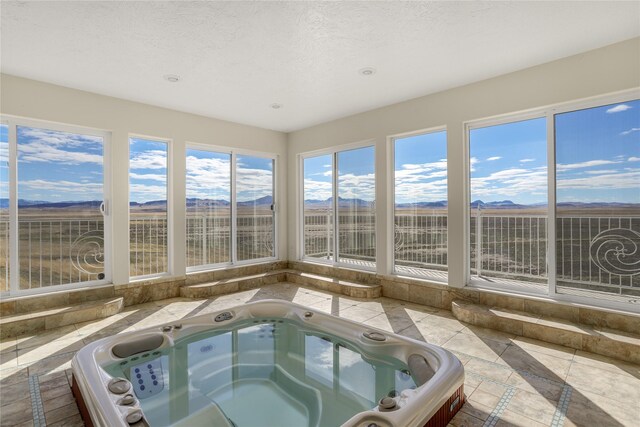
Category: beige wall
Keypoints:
(602, 71)
(36, 100)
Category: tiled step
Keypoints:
(17, 324)
(618, 344)
(356, 290)
(225, 286)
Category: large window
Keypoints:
(508, 196)
(340, 185)
(597, 237)
(4, 208)
(420, 204)
(148, 221)
(579, 241)
(208, 207)
(56, 221)
(230, 208)
(255, 208)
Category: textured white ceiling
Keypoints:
(237, 58)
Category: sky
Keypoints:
(597, 156)
(597, 153)
(356, 175)
(56, 166)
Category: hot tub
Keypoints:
(266, 364)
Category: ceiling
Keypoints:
(236, 59)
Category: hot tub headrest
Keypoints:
(420, 369)
(138, 345)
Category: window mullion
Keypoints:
(336, 222)
(551, 215)
(14, 275)
(234, 211)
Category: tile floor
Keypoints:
(510, 381)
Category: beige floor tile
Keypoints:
(12, 392)
(550, 390)
(46, 337)
(13, 375)
(550, 349)
(61, 413)
(8, 360)
(60, 346)
(488, 369)
(477, 410)
(16, 412)
(532, 406)
(484, 398)
(472, 345)
(8, 344)
(608, 364)
(590, 409)
(52, 364)
(540, 364)
(492, 388)
(492, 334)
(513, 419)
(462, 419)
(443, 320)
(605, 383)
(358, 314)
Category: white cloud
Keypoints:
(606, 181)
(627, 132)
(618, 108)
(51, 137)
(317, 190)
(494, 158)
(352, 186)
(42, 152)
(81, 189)
(148, 176)
(527, 160)
(587, 164)
(151, 159)
(633, 159)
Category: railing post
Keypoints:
(204, 240)
(479, 242)
(328, 236)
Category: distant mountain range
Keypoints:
(311, 203)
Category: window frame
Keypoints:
(333, 152)
(549, 112)
(234, 153)
(170, 219)
(12, 122)
(391, 196)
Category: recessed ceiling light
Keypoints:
(172, 78)
(276, 106)
(367, 71)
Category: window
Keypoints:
(148, 207)
(208, 208)
(508, 203)
(597, 238)
(4, 208)
(230, 216)
(340, 185)
(57, 219)
(255, 207)
(420, 204)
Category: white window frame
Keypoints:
(170, 226)
(549, 113)
(391, 160)
(333, 152)
(234, 153)
(14, 264)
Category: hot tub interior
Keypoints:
(261, 372)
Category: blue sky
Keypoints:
(147, 170)
(356, 175)
(597, 151)
(58, 166)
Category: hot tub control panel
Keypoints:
(147, 378)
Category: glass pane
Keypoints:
(254, 194)
(356, 207)
(421, 205)
(208, 208)
(318, 207)
(4, 208)
(60, 189)
(147, 207)
(598, 202)
(508, 224)
(357, 375)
